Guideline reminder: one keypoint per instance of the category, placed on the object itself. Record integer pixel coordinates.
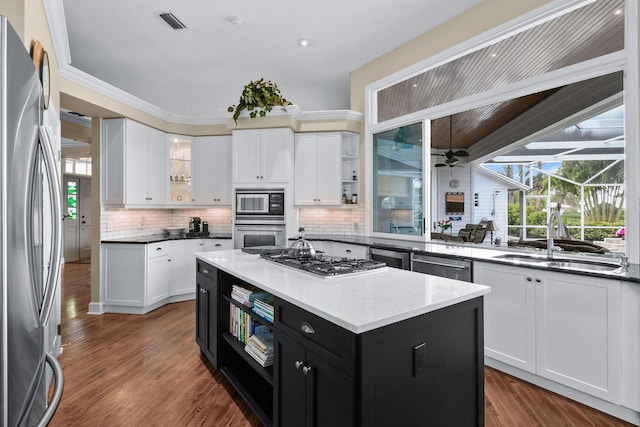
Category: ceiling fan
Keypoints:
(452, 156)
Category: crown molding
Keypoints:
(54, 10)
(55, 16)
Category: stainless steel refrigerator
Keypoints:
(30, 241)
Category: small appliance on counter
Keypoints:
(194, 227)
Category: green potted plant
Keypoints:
(258, 97)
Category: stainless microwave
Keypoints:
(253, 202)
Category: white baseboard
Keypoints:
(96, 308)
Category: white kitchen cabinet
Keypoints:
(135, 277)
(123, 276)
(217, 245)
(212, 171)
(318, 166)
(183, 266)
(630, 342)
(346, 250)
(133, 164)
(578, 333)
(180, 169)
(158, 275)
(509, 314)
(262, 155)
(567, 326)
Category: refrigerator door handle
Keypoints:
(56, 225)
(58, 378)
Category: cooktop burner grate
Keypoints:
(326, 266)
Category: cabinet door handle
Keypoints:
(205, 271)
(306, 328)
(529, 279)
(306, 370)
(158, 249)
(217, 245)
(299, 364)
(348, 251)
(538, 280)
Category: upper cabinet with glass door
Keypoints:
(397, 181)
(179, 169)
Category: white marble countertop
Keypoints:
(359, 302)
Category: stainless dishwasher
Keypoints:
(453, 268)
(396, 259)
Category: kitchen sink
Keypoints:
(524, 258)
(582, 265)
(570, 264)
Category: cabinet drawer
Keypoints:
(335, 344)
(206, 270)
(158, 249)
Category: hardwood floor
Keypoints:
(146, 370)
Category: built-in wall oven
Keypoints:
(259, 218)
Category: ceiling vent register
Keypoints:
(172, 20)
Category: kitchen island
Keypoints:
(387, 347)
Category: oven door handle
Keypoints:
(276, 229)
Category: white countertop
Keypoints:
(359, 302)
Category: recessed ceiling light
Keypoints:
(493, 55)
(618, 12)
(304, 42)
(235, 20)
(415, 85)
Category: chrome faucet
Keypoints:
(561, 232)
(624, 261)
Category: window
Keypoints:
(397, 181)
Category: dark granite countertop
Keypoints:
(483, 253)
(155, 238)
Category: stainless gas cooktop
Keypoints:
(326, 266)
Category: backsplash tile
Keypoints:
(122, 223)
(333, 221)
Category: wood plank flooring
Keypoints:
(146, 370)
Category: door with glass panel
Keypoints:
(398, 156)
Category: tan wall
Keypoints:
(477, 20)
(28, 19)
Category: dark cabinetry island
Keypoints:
(378, 349)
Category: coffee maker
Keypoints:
(194, 226)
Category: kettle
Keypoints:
(301, 248)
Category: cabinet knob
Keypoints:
(158, 249)
(529, 279)
(538, 280)
(306, 370)
(299, 364)
(306, 328)
(348, 251)
(218, 245)
(257, 176)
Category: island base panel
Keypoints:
(427, 370)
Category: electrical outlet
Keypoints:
(355, 225)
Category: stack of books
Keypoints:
(241, 325)
(260, 347)
(263, 307)
(245, 296)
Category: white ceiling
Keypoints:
(196, 73)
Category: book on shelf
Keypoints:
(264, 307)
(241, 324)
(260, 348)
(246, 296)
